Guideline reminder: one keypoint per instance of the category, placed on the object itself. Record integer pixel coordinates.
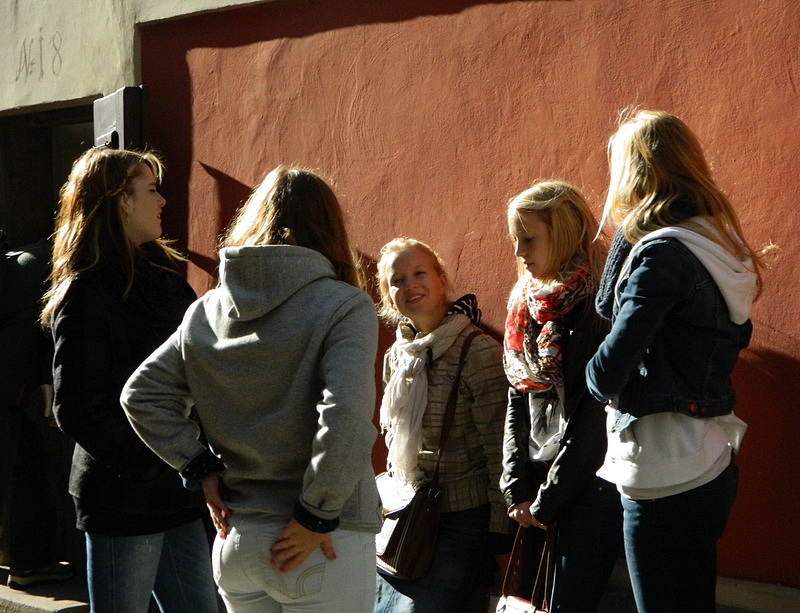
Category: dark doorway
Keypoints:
(36, 154)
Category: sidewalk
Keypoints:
(64, 597)
(732, 597)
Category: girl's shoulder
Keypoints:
(480, 341)
(666, 250)
(484, 352)
(661, 261)
(92, 287)
(88, 298)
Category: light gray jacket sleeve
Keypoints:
(342, 446)
(157, 402)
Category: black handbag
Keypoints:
(407, 540)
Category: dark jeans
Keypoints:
(588, 544)
(25, 486)
(174, 566)
(671, 546)
(459, 577)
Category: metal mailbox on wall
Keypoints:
(120, 119)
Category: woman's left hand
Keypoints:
(219, 511)
(537, 523)
(521, 513)
(296, 543)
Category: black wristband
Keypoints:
(199, 467)
(309, 521)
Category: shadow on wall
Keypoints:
(763, 523)
(230, 194)
(164, 51)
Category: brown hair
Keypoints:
(293, 206)
(89, 228)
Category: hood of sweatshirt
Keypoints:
(735, 278)
(256, 280)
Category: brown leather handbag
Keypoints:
(510, 601)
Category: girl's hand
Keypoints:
(521, 513)
(212, 488)
(296, 543)
(537, 523)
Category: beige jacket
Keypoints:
(472, 459)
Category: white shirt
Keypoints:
(544, 445)
(665, 454)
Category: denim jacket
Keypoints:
(672, 345)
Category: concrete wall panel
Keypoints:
(56, 52)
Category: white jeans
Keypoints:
(248, 583)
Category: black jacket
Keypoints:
(120, 486)
(25, 350)
(554, 485)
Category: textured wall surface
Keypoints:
(428, 115)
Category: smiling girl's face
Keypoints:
(531, 237)
(417, 290)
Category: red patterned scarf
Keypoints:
(532, 340)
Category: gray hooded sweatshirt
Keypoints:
(279, 363)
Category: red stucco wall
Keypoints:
(428, 115)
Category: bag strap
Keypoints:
(543, 585)
(450, 410)
(513, 575)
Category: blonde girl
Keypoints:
(419, 369)
(678, 288)
(554, 432)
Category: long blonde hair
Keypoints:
(573, 228)
(293, 206)
(89, 229)
(660, 177)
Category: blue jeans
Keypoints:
(671, 546)
(174, 566)
(25, 485)
(460, 572)
(248, 583)
(589, 541)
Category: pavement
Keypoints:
(732, 596)
(64, 597)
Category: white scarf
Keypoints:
(406, 395)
